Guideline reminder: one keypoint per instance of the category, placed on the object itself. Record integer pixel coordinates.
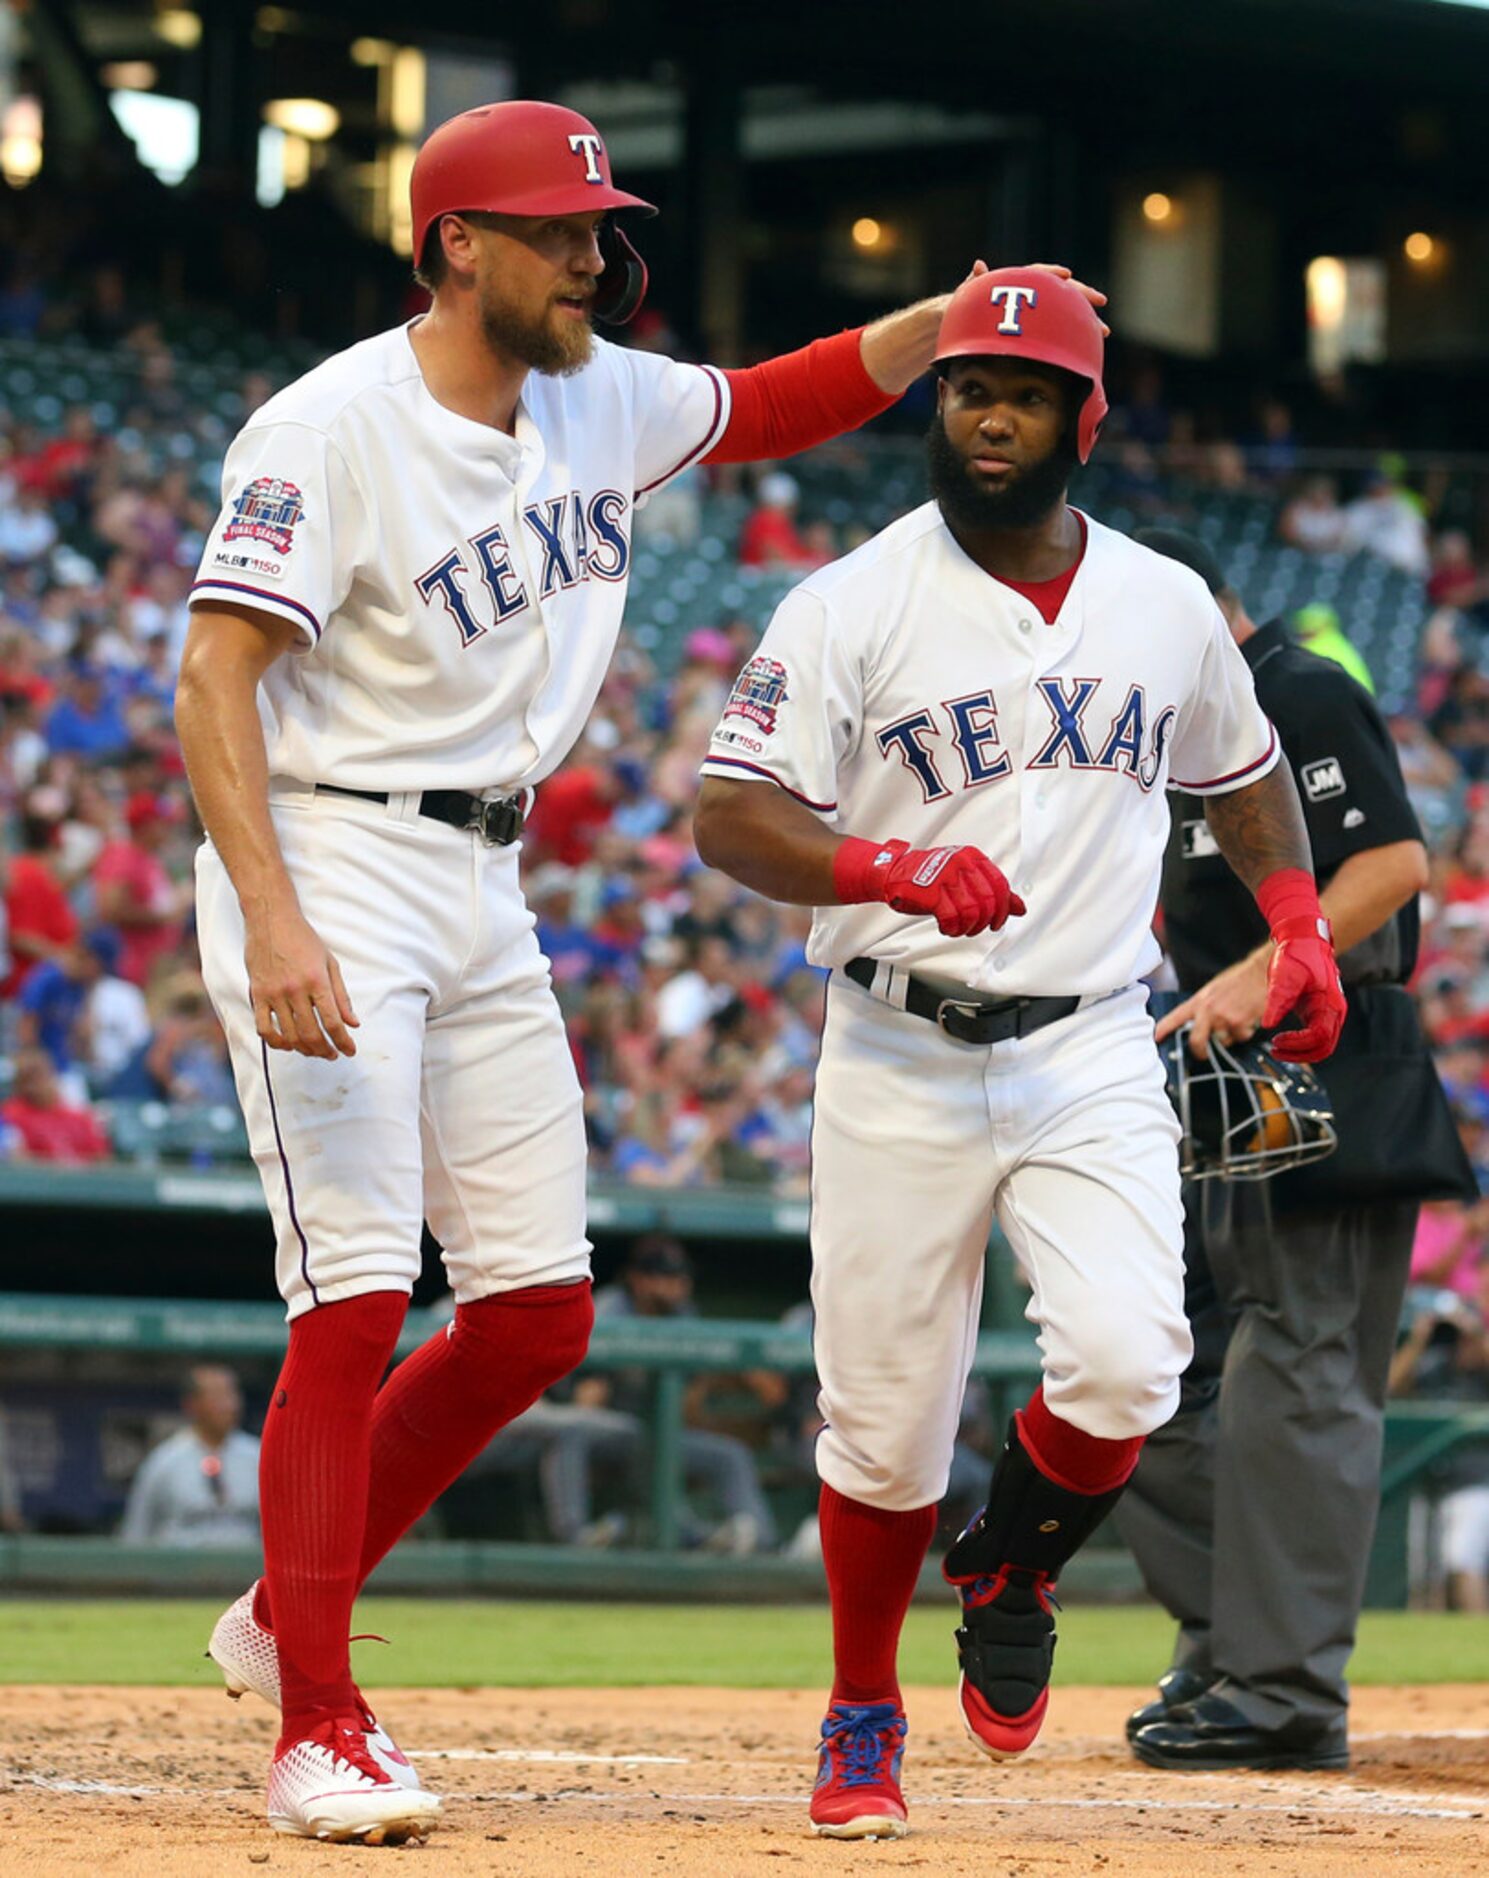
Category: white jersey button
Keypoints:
(1026, 625)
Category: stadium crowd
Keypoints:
(692, 1010)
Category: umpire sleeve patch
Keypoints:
(1323, 778)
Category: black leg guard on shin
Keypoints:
(1028, 1521)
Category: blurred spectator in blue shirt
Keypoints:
(86, 720)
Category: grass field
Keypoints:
(531, 1645)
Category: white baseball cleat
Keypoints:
(248, 1657)
(327, 1785)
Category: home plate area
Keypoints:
(170, 1782)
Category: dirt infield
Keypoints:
(169, 1782)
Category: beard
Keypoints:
(1019, 501)
(551, 343)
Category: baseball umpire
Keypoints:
(1251, 1513)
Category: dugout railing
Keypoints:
(1419, 1437)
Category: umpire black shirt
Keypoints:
(1349, 781)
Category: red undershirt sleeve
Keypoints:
(800, 399)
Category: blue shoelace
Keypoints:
(853, 1740)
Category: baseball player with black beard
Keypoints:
(954, 743)
(402, 618)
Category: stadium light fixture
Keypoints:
(130, 75)
(407, 92)
(312, 118)
(1420, 248)
(372, 51)
(20, 141)
(294, 160)
(179, 27)
(1328, 292)
(1157, 207)
(400, 168)
(867, 233)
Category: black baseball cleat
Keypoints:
(1175, 1688)
(1210, 1735)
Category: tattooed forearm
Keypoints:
(1260, 828)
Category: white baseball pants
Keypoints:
(1066, 1137)
(461, 1105)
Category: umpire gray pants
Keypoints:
(1251, 1513)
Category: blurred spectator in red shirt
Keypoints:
(571, 809)
(61, 462)
(49, 1129)
(135, 893)
(770, 537)
(41, 924)
(1455, 579)
(19, 677)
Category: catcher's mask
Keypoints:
(1245, 1114)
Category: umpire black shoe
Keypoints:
(1211, 1734)
(1175, 1688)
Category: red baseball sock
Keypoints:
(873, 1560)
(1070, 1457)
(313, 1475)
(442, 1405)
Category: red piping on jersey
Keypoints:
(710, 436)
(738, 762)
(279, 599)
(1236, 774)
(800, 399)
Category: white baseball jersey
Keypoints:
(904, 692)
(458, 591)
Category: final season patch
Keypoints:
(269, 510)
(758, 694)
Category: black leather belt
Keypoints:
(970, 1019)
(498, 822)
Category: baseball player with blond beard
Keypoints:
(402, 618)
(954, 744)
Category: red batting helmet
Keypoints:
(1021, 313)
(529, 158)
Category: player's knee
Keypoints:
(1126, 1387)
(896, 1472)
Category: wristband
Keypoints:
(1290, 893)
(1303, 926)
(860, 868)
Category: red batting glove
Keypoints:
(1303, 975)
(957, 887)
